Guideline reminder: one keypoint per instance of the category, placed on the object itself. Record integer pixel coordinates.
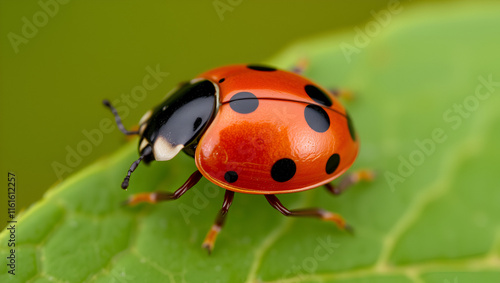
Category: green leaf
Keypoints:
(426, 124)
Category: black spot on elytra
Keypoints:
(222, 80)
(231, 176)
(317, 118)
(244, 102)
(318, 95)
(283, 170)
(333, 163)
(261, 68)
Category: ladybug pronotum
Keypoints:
(251, 129)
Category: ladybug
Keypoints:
(251, 129)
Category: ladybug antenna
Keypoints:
(147, 151)
(118, 119)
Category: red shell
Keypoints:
(242, 151)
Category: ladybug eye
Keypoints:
(197, 123)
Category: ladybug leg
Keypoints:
(300, 67)
(309, 212)
(219, 222)
(156, 197)
(349, 180)
(342, 93)
(118, 119)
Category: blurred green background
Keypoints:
(52, 80)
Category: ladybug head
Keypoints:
(179, 121)
(176, 124)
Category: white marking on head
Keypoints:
(143, 121)
(143, 144)
(163, 150)
(145, 117)
(142, 128)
